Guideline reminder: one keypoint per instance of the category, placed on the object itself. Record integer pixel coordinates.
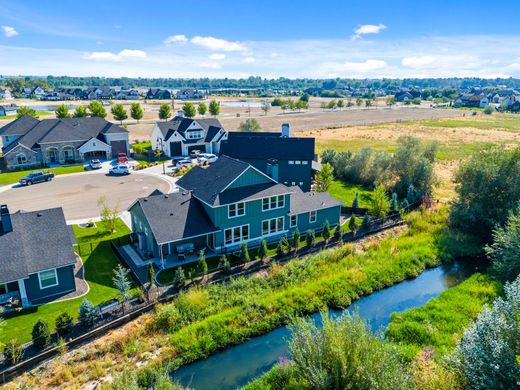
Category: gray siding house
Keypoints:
(29, 142)
(36, 256)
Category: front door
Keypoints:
(53, 156)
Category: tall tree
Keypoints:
(165, 111)
(109, 215)
(151, 279)
(214, 108)
(26, 111)
(62, 111)
(266, 107)
(189, 110)
(250, 124)
(380, 202)
(119, 112)
(203, 266)
(340, 104)
(80, 112)
(122, 284)
(202, 108)
(96, 109)
(136, 112)
(324, 178)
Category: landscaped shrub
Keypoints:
(296, 239)
(355, 202)
(365, 223)
(394, 205)
(244, 253)
(380, 204)
(326, 231)
(410, 194)
(202, 266)
(64, 323)
(224, 264)
(338, 233)
(262, 251)
(310, 237)
(352, 225)
(41, 335)
(13, 352)
(179, 278)
(88, 313)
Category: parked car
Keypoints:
(94, 164)
(122, 158)
(176, 159)
(195, 153)
(120, 169)
(184, 163)
(35, 177)
(207, 157)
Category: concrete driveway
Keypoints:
(78, 194)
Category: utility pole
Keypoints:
(159, 140)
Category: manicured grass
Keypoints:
(13, 177)
(439, 324)
(38, 113)
(346, 193)
(99, 265)
(141, 147)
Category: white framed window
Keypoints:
(293, 183)
(291, 162)
(312, 216)
(236, 234)
(294, 220)
(273, 202)
(298, 162)
(48, 278)
(21, 158)
(305, 162)
(194, 134)
(272, 226)
(236, 210)
(6, 138)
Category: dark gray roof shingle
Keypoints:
(40, 240)
(242, 194)
(303, 202)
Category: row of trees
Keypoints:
(288, 104)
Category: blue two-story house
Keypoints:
(219, 207)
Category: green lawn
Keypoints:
(38, 113)
(13, 177)
(141, 147)
(346, 193)
(510, 122)
(98, 270)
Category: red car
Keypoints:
(122, 158)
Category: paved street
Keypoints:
(78, 194)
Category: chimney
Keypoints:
(286, 130)
(5, 220)
(180, 114)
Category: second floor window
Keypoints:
(273, 202)
(194, 134)
(236, 210)
(312, 216)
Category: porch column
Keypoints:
(162, 256)
(23, 293)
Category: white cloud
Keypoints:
(179, 38)
(113, 57)
(217, 56)
(9, 32)
(418, 62)
(213, 43)
(366, 66)
(210, 65)
(368, 29)
(249, 60)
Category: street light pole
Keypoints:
(159, 140)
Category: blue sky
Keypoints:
(318, 39)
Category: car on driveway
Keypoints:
(120, 169)
(94, 164)
(122, 158)
(207, 157)
(36, 177)
(195, 153)
(184, 163)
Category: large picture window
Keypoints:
(272, 226)
(48, 278)
(21, 158)
(236, 234)
(236, 210)
(273, 202)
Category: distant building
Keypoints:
(189, 94)
(8, 110)
(158, 94)
(5, 94)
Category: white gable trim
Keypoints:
(244, 171)
(80, 149)
(22, 145)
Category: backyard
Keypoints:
(99, 264)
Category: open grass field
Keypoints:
(99, 265)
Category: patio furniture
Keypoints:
(185, 248)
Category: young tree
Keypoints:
(136, 112)
(151, 279)
(301, 105)
(305, 97)
(223, 264)
(410, 194)
(250, 124)
(262, 251)
(280, 249)
(394, 204)
(405, 205)
(352, 225)
(296, 239)
(96, 109)
(26, 111)
(380, 202)
(328, 156)
(178, 278)
(64, 324)
(324, 178)
(122, 284)
(365, 223)
(244, 253)
(189, 110)
(368, 103)
(119, 112)
(165, 111)
(80, 112)
(88, 313)
(338, 233)
(203, 266)
(340, 104)
(214, 108)
(323, 106)
(504, 252)
(310, 237)
(326, 233)
(359, 102)
(13, 352)
(62, 111)
(332, 104)
(355, 202)
(390, 101)
(202, 108)
(41, 335)
(266, 107)
(109, 215)
(489, 110)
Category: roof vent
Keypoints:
(171, 214)
(165, 196)
(39, 214)
(145, 199)
(6, 225)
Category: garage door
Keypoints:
(175, 149)
(95, 155)
(118, 147)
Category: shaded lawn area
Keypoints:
(99, 265)
(13, 177)
(347, 192)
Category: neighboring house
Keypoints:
(97, 93)
(5, 94)
(158, 94)
(33, 93)
(189, 94)
(36, 256)
(131, 94)
(28, 141)
(8, 110)
(180, 135)
(219, 207)
(287, 159)
(403, 96)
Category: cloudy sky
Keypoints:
(212, 38)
